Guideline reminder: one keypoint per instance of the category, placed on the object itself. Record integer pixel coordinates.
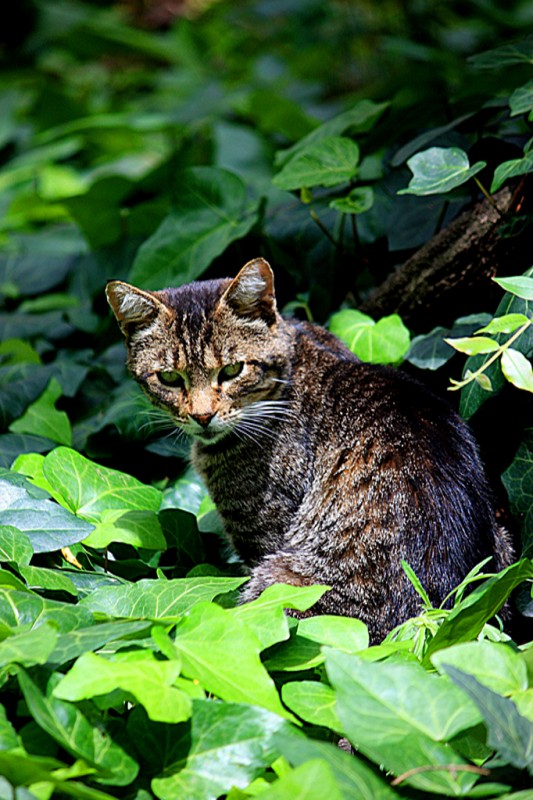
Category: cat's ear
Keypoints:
(251, 293)
(134, 307)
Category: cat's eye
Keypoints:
(171, 378)
(230, 371)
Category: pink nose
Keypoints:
(202, 419)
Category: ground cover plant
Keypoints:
(380, 159)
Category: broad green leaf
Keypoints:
(518, 482)
(494, 664)
(14, 545)
(137, 528)
(30, 647)
(511, 169)
(13, 445)
(517, 369)
(358, 781)
(400, 716)
(265, 615)
(440, 169)
(18, 351)
(186, 493)
(314, 702)
(74, 731)
(295, 655)
(467, 619)
(48, 526)
(521, 286)
(42, 418)
(149, 681)
(54, 580)
(224, 745)
(157, 599)
(222, 653)
(105, 635)
(382, 342)
(473, 345)
(90, 489)
(20, 385)
(509, 733)
(509, 323)
(520, 52)
(358, 201)
(325, 163)
(9, 739)
(358, 119)
(24, 608)
(313, 780)
(521, 100)
(430, 351)
(343, 633)
(211, 212)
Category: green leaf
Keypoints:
(21, 608)
(509, 733)
(520, 52)
(430, 351)
(156, 599)
(314, 702)
(359, 200)
(54, 580)
(400, 716)
(518, 482)
(494, 664)
(89, 489)
(14, 545)
(511, 169)
(220, 652)
(48, 526)
(520, 286)
(439, 169)
(343, 633)
(466, 621)
(473, 345)
(325, 163)
(74, 643)
(20, 385)
(517, 369)
(509, 323)
(137, 528)
(30, 647)
(521, 100)
(358, 119)
(211, 212)
(42, 418)
(224, 745)
(149, 681)
(74, 731)
(382, 342)
(313, 780)
(265, 615)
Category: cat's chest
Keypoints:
(257, 490)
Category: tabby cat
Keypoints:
(323, 468)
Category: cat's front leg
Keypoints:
(280, 567)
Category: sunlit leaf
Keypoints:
(439, 170)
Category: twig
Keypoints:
(452, 768)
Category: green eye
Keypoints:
(230, 371)
(171, 378)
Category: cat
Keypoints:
(325, 469)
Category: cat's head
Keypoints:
(214, 354)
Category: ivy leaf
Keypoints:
(325, 163)
(137, 528)
(511, 169)
(15, 545)
(24, 608)
(504, 56)
(520, 286)
(48, 526)
(149, 681)
(29, 647)
(521, 100)
(89, 489)
(42, 418)
(313, 780)
(157, 599)
(212, 211)
(359, 200)
(517, 369)
(473, 345)
(224, 745)
(382, 342)
(440, 169)
(509, 733)
(314, 702)
(494, 664)
(518, 482)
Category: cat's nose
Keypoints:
(202, 419)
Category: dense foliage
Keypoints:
(335, 140)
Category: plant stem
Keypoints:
(489, 197)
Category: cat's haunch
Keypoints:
(324, 469)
